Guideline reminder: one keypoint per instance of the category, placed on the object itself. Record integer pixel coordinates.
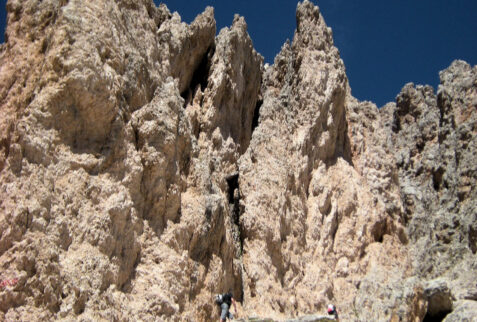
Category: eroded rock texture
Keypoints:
(147, 164)
(312, 224)
(434, 142)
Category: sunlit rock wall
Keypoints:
(147, 164)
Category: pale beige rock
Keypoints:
(312, 227)
(147, 164)
(464, 311)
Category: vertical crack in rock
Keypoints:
(437, 178)
(234, 86)
(5, 146)
(238, 238)
(126, 287)
(256, 114)
(232, 183)
(473, 237)
(234, 206)
(200, 77)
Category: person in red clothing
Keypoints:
(332, 311)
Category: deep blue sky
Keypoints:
(384, 43)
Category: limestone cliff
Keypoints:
(147, 164)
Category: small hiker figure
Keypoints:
(332, 311)
(225, 300)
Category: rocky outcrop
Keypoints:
(147, 164)
(307, 318)
(434, 140)
(312, 226)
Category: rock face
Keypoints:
(147, 164)
(434, 140)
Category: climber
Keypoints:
(332, 311)
(225, 300)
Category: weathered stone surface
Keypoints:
(312, 318)
(111, 207)
(434, 141)
(312, 224)
(147, 164)
(307, 318)
(464, 311)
